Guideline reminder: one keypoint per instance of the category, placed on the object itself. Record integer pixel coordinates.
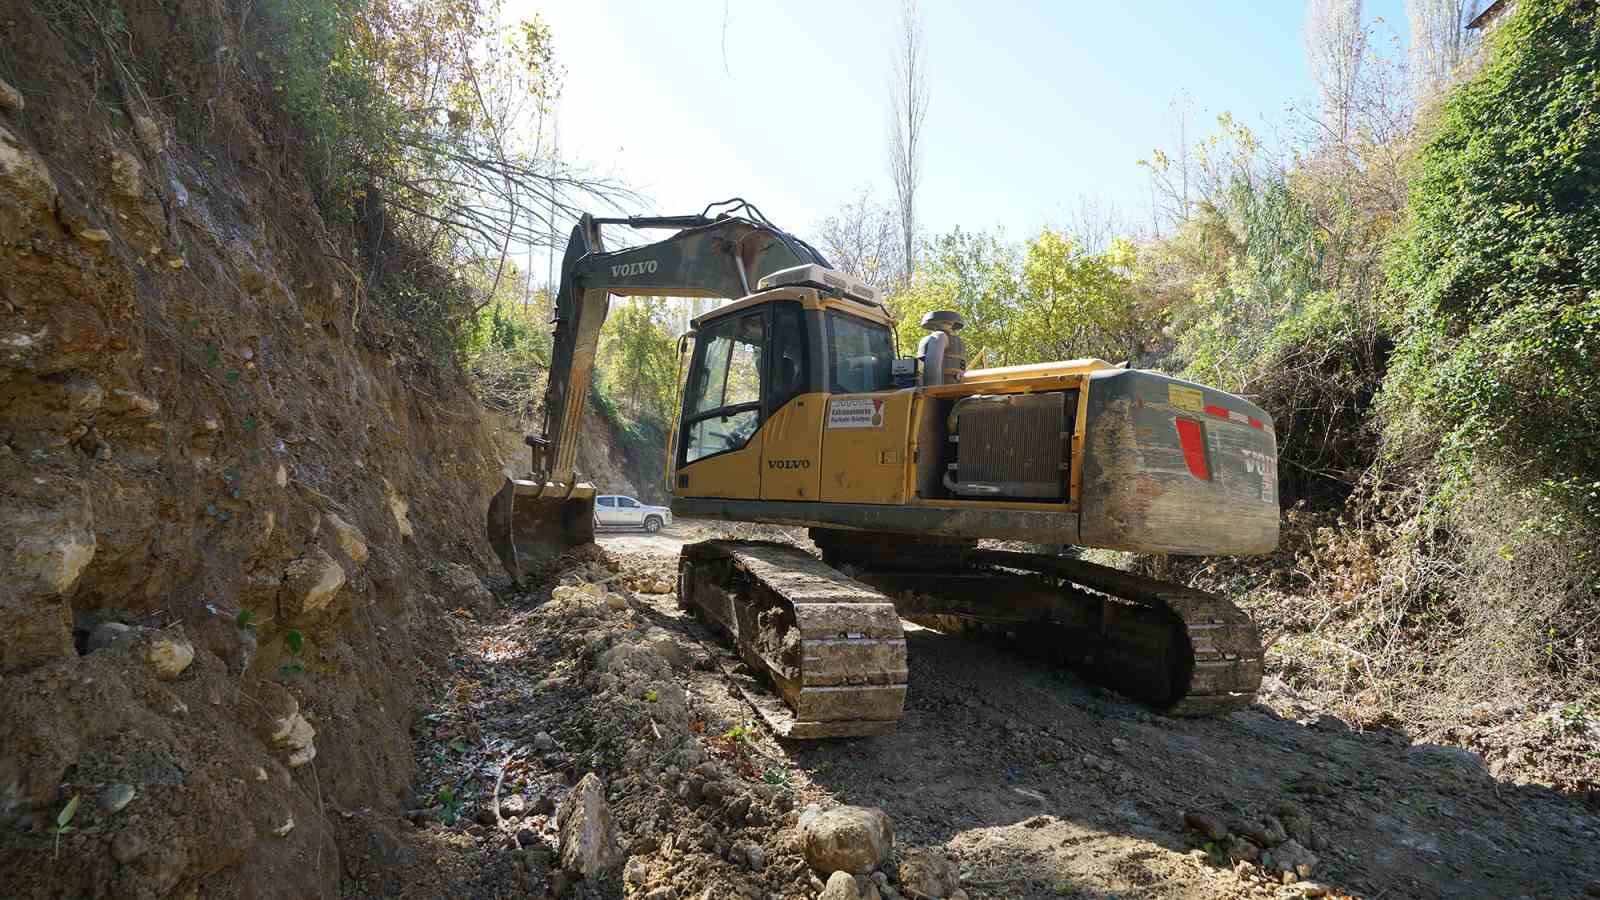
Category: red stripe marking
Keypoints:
(1194, 448)
(1222, 412)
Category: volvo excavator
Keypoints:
(797, 409)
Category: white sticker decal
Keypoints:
(855, 412)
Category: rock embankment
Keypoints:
(227, 475)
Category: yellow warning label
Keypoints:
(1191, 399)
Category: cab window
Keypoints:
(860, 354)
(724, 403)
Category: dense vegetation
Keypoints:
(425, 124)
(1499, 268)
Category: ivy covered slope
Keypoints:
(1499, 269)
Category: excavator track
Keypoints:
(831, 645)
(1183, 651)
(1224, 662)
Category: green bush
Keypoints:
(1493, 383)
(1499, 267)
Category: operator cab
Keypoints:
(806, 331)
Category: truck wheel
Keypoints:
(652, 524)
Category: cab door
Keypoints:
(791, 446)
(719, 438)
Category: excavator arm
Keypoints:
(532, 519)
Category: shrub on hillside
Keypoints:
(1499, 266)
(1495, 376)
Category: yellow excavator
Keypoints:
(798, 409)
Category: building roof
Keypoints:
(1490, 13)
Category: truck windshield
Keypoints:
(860, 354)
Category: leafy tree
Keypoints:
(975, 274)
(639, 358)
(1046, 300)
(507, 344)
(1077, 303)
(424, 122)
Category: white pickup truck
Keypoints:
(617, 511)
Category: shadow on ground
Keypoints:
(1048, 785)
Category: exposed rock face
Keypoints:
(11, 98)
(400, 509)
(349, 538)
(24, 178)
(465, 587)
(198, 393)
(47, 540)
(127, 174)
(588, 838)
(845, 838)
(285, 728)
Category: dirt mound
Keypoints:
(208, 429)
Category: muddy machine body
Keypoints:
(798, 410)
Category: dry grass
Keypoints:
(1475, 627)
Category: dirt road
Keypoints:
(1038, 784)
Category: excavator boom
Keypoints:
(533, 518)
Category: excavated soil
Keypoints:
(1036, 783)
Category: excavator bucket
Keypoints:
(531, 523)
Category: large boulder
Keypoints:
(463, 587)
(168, 652)
(47, 540)
(587, 836)
(851, 839)
(1291, 859)
(127, 174)
(929, 873)
(349, 538)
(24, 175)
(283, 726)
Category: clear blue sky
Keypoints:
(1032, 105)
